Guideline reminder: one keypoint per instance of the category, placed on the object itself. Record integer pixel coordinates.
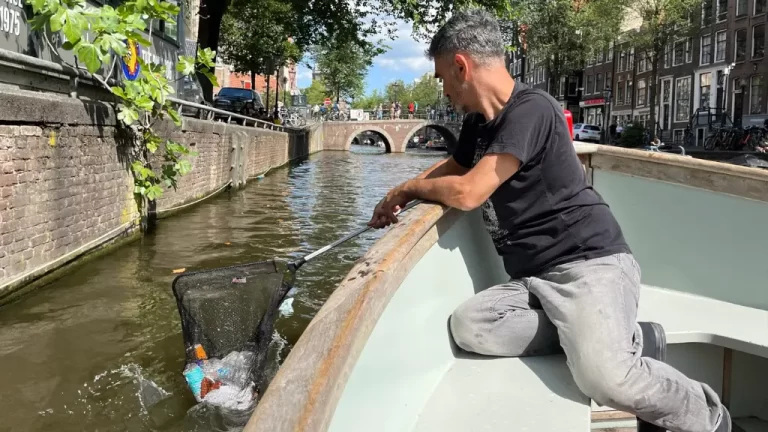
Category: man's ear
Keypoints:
(462, 64)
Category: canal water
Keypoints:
(86, 352)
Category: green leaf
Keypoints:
(137, 166)
(211, 77)
(152, 147)
(38, 22)
(128, 116)
(144, 103)
(89, 55)
(154, 192)
(72, 29)
(174, 116)
(37, 5)
(57, 20)
(185, 65)
(184, 167)
(117, 91)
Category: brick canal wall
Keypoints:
(66, 188)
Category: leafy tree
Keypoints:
(316, 93)
(97, 36)
(371, 101)
(255, 36)
(396, 91)
(343, 67)
(662, 23)
(426, 91)
(353, 22)
(564, 33)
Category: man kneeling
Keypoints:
(574, 283)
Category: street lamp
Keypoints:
(726, 74)
(607, 93)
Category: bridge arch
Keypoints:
(338, 135)
(451, 137)
(388, 141)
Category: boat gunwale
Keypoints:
(672, 159)
(304, 393)
(306, 389)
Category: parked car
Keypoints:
(238, 100)
(586, 132)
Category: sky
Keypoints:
(404, 60)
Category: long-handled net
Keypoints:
(231, 309)
(228, 318)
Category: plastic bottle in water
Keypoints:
(235, 368)
(194, 376)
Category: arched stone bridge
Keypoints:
(338, 135)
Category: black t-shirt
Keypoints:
(545, 214)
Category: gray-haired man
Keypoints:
(574, 283)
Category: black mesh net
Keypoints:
(231, 309)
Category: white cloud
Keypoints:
(303, 75)
(405, 52)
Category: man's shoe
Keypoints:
(725, 420)
(654, 341)
(655, 347)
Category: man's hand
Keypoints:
(384, 213)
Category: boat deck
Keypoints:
(484, 394)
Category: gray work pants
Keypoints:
(588, 309)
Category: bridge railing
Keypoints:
(419, 115)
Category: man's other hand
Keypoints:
(385, 212)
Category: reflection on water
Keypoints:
(89, 351)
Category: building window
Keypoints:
(628, 99)
(741, 7)
(599, 84)
(706, 12)
(688, 50)
(590, 84)
(705, 87)
(706, 49)
(759, 6)
(679, 135)
(561, 89)
(608, 81)
(620, 92)
(668, 55)
(573, 85)
(622, 61)
(720, 46)
(601, 56)
(631, 59)
(741, 45)
(682, 99)
(758, 41)
(722, 10)
(610, 52)
(679, 53)
(641, 93)
(756, 94)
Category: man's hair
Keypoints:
(475, 32)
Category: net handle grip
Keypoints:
(303, 260)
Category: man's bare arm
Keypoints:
(468, 191)
(443, 168)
